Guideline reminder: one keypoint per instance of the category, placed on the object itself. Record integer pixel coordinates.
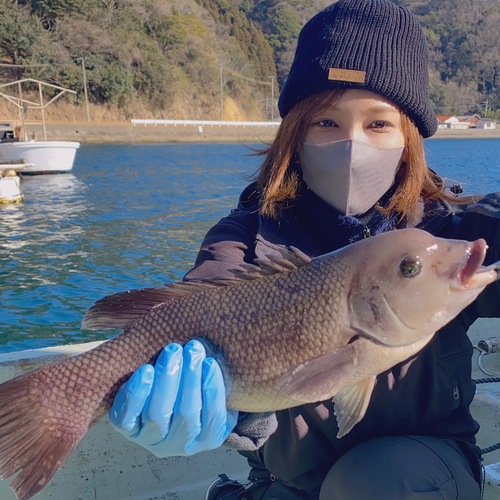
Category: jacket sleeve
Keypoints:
(482, 220)
(228, 244)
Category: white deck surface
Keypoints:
(105, 466)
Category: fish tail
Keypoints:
(32, 439)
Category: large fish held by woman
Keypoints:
(287, 331)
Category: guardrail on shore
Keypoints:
(201, 123)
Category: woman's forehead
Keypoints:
(365, 99)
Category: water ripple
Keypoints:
(134, 216)
(127, 217)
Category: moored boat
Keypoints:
(44, 157)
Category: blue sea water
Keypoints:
(134, 216)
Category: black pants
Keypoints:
(395, 468)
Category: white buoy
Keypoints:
(10, 187)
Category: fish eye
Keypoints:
(410, 267)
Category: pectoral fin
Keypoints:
(321, 378)
(351, 404)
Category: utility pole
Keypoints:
(85, 89)
(272, 97)
(221, 93)
(21, 109)
(43, 111)
(485, 104)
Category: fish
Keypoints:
(286, 330)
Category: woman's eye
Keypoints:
(326, 123)
(379, 124)
(410, 267)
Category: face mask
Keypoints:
(349, 175)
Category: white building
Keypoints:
(486, 123)
(451, 121)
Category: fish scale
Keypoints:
(285, 332)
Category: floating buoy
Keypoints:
(10, 188)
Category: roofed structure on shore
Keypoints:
(451, 121)
(486, 123)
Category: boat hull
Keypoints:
(47, 157)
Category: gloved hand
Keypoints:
(177, 407)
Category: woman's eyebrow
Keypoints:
(374, 109)
(383, 109)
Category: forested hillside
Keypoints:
(464, 40)
(165, 58)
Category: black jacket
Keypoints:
(429, 394)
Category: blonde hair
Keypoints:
(278, 177)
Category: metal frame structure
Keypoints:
(22, 103)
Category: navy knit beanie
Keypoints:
(364, 44)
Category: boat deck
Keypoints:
(105, 466)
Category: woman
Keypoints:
(347, 163)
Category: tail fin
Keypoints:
(31, 438)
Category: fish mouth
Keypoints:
(472, 274)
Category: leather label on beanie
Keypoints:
(347, 75)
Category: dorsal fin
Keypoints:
(292, 258)
(120, 310)
(296, 256)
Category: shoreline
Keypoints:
(126, 133)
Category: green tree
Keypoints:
(22, 35)
(248, 35)
(169, 31)
(50, 10)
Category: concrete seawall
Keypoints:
(126, 133)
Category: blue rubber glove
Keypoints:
(177, 407)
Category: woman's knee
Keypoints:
(401, 467)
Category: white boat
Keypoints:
(44, 157)
(10, 187)
(105, 466)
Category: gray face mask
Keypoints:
(349, 175)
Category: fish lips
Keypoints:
(471, 274)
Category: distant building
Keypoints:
(471, 119)
(451, 121)
(460, 125)
(447, 119)
(486, 123)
